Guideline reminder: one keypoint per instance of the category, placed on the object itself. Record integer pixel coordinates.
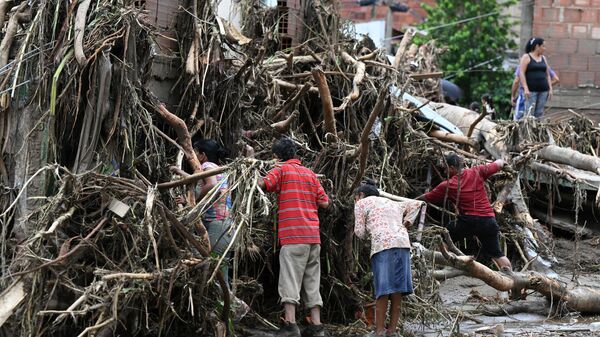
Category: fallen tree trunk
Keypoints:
(570, 157)
(578, 298)
(539, 307)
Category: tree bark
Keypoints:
(327, 103)
(570, 157)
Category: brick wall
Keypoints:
(291, 23)
(349, 9)
(571, 29)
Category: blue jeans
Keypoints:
(534, 106)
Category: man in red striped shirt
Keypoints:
(299, 196)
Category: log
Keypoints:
(193, 178)
(79, 31)
(539, 307)
(284, 125)
(183, 135)
(326, 102)
(451, 137)
(485, 131)
(570, 157)
(278, 62)
(291, 102)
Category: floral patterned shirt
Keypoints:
(384, 221)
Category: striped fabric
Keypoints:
(299, 193)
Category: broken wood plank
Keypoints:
(422, 76)
(10, 298)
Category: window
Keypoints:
(283, 21)
(285, 43)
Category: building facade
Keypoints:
(385, 12)
(571, 30)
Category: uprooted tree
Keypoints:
(92, 239)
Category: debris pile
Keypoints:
(103, 249)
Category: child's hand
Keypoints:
(180, 200)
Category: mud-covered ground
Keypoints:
(578, 263)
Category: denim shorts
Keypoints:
(391, 272)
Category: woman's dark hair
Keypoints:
(214, 152)
(475, 106)
(284, 148)
(368, 187)
(454, 160)
(534, 41)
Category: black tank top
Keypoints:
(535, 74)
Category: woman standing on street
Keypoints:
(535, 77)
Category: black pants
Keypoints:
(484, 228)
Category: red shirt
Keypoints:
(299, 193)
(473, 198)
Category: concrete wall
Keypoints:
(571, 29)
